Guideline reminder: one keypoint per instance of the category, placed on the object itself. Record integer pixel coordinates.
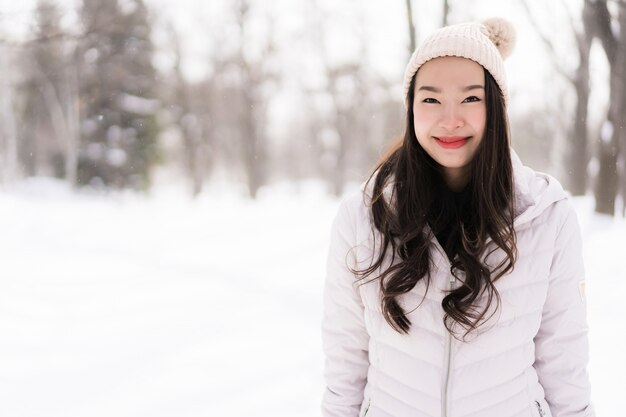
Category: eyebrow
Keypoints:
(438, 90)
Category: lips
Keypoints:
(452, 142)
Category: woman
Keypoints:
(455, 282)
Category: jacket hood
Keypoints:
(534, 191)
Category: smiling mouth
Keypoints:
(452, 142)
(452, 139)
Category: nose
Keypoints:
(451, 119)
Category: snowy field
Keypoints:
(126, 305)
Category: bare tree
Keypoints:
(8, 128)
(192, 104)
(411, 25)
(61, 101)
(611, 30)
(347, 124)
(255, 76)
(348, 121)
(576, 157)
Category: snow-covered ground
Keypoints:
(126, 305)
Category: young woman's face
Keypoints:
(450, 114)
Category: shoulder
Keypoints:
(355, 220)
(539, 197)
(552, 223)
(354, 209)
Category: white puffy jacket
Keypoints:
(529, 360)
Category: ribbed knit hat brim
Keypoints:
(486, 43)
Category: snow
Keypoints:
(127, 305)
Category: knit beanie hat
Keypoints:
(486, 43)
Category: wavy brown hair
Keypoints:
(405, 210)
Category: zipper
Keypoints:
(446, 381)
(448, 353)
(541, 412)
(449, 342)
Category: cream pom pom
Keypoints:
(502, 33)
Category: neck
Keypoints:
(456, 178)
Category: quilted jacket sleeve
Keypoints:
(345, 339)
(561, 347)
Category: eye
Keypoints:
(471, 99)
(430, 101)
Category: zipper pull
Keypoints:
(541, 412)
(367, 408)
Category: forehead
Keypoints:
(450, 71)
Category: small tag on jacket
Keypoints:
(581, 290)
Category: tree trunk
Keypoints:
(253, 152)
(575, 156)
(607, 182)
(409, 13)
(619, 86)
(8, 125)
(72, 120)
(613, 133)
(64, 116)
(253, 141)
(446, 12)
(578, 155)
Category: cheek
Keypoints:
(477, 119)
(421, 122)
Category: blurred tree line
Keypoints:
(87, 103)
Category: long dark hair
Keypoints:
(405, 200)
